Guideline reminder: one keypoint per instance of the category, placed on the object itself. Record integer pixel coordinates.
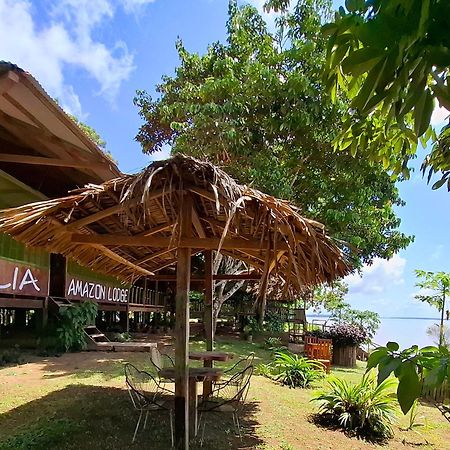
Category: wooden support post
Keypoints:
(45, 313)
(208, 319)
(182, 331)
(209, 292)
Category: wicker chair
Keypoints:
(228, 397)
(147, 395)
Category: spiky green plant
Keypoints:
(296, 371)
(366, 408)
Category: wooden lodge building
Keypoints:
(44, 154)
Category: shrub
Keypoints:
(273, 322)
(10, 356)
(342, 334)
(367, 408)
(272, 343)
(74, 319)
(295, 371)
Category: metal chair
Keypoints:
(160, 360)
(238, 367)
(147, 395)
(228, 397)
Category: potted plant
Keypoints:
(346, 340)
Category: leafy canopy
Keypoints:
(438, 285)
(392, 58)
(257, 106)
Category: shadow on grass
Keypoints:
(109, 365)
(90, 417)
(328, 422)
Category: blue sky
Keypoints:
(93, 54)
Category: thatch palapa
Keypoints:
(130, 227)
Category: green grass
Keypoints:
(79, 402)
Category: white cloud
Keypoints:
(437, 253)
(439, 116)
(378, 277)
(134, 6)
(67, 39)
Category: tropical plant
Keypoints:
(295, 371)
(393, 59)
(413, 367)
(439, 285)
(344, 334)
(73, 320)
(257, 106)
(273, 322)
(366, 408)
(273, 343)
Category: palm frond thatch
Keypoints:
(147, 206)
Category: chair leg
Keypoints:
(137, 426)
(235, 414)
(145, 421)
(203, 431)
(171, 427)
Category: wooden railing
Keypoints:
(140, 296)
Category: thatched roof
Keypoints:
(129, 227)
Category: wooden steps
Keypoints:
(445, 410)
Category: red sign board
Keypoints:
(78, 289)
(22, 279)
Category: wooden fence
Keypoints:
(437, 394)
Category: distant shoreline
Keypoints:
(319, 316)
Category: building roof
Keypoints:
(36, 132)
(131, 226)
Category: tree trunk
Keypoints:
(441, 330)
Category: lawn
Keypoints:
(78, 401)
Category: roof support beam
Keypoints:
(162, 242)
(252, 276)
(43, 161)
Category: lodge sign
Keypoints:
(22, 279)
(77, 289)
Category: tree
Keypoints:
(392, 58)
(90, 132)
(439, 285)
(434, 331)
(224, 290)
(257, 106)
(331, 297)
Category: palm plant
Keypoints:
(366, 408)
(296, 371)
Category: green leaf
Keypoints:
(361, 61)
(409, 386)
(439, 183)
(386, 368)
(392, 346)
(422, 113)
(375, 357)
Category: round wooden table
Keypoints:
(195, 375)
(208, 357)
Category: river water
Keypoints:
(406, 331)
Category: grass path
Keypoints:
(78, 401)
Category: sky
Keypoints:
(92, 55)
